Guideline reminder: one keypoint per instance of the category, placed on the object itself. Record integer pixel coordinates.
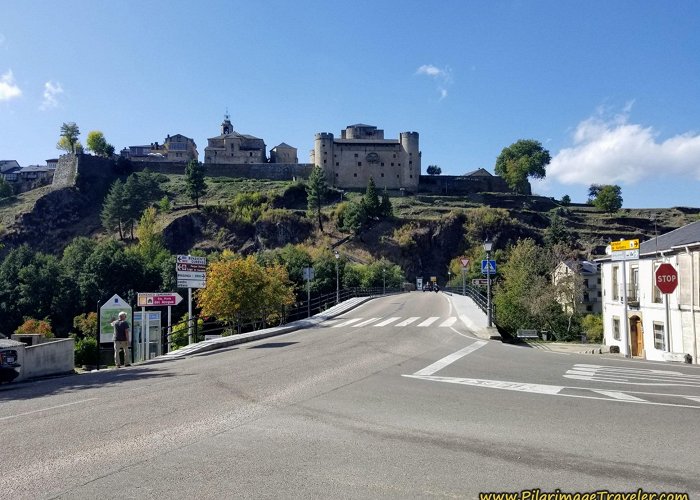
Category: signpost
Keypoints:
(160, 300)
(488, 267)
(480, 282)
(465, 263)
(666, 280)
(191, 273)
(624, 250)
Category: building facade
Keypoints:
(579, 285)
(176, 148)
(362, 152)
(654, 325)
(233, 148)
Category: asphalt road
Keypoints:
(396, 398)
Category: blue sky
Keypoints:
(611, 88)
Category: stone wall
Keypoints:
(463, 185)
(273, 171)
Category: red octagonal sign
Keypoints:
(666, 278)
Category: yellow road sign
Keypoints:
(619, 246)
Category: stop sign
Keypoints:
(666, 278)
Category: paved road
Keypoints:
(396, 398)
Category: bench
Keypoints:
(527, 334)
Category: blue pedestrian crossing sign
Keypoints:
(488, 267)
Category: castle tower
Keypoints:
(411, 165)
(323, 156)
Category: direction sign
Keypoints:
(666, 278)
(618, 246)
(193, 268)
(191, 283)
(191, 259)
(488, 267)
(191, 276)
(159, 299)
(464, 261)
(480, 282)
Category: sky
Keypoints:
(610, 88)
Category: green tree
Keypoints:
(371, 199)
(354, 217)
(608, 198)
(592, 326)
(566, 200)
(97, 143)
(316, 189)
(557, 232)
(115, 208)
(385, 208)
(433, 170)
(522, 159)
(195, 181)
(150, 238)
(69, 138)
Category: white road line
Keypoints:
(618, 395)
(449, 321)
(348, 322)
(429, 321)
(328, 322)
(556, 390)
(365, 322)
(47, 409)
(387, 321)
(408, 321)
(447, 360)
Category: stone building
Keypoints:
(284, 153)
(233, 148)
(362, 152)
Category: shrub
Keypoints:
(86, 351)
(592, 325)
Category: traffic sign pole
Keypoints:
(625, 322)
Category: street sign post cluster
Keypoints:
(624, 250)
(191, 273)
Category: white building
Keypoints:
(662, 327)
(579, 283)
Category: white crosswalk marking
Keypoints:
(408, 321)
(366, 322)
(618, 395)
(348, 322)
(387, 321)
(449, 321)
(429, 321)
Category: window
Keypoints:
(616, 328)
(615, 285)
(382, 174)
(355, 155)
(411, 176)
(589, 308)
(394, 156)
(337, 164)
(658, 297)
(659, 336)
(324, 162)
(392, 163)
(336, 174)
(359, 163)
(410, 162)
(382, 164)
(355, 175)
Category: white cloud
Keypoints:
(8, 87)
(442, 75)
(614, 151)
(51, 92)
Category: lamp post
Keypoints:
(383, 281)
(449, 278)
(488, 245)
(337, 278)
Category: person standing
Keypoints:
(121, 340)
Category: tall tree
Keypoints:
(522, 159)
(371, 199)
(97, 143)
(69, 137)
(195, 181)
(385, 208)
(5, 188)
(316, 189)
(114, 209)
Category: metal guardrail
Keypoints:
(473, 293)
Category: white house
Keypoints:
(662, 327)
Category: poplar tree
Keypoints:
(195, 182)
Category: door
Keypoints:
(636, 336)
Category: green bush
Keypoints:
(86, 351)
(592, 325)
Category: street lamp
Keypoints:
(383, 281)
(337, 278)
(449, 277)
(488, 245)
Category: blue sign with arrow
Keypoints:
(488, 267)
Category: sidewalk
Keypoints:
(472, 317)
